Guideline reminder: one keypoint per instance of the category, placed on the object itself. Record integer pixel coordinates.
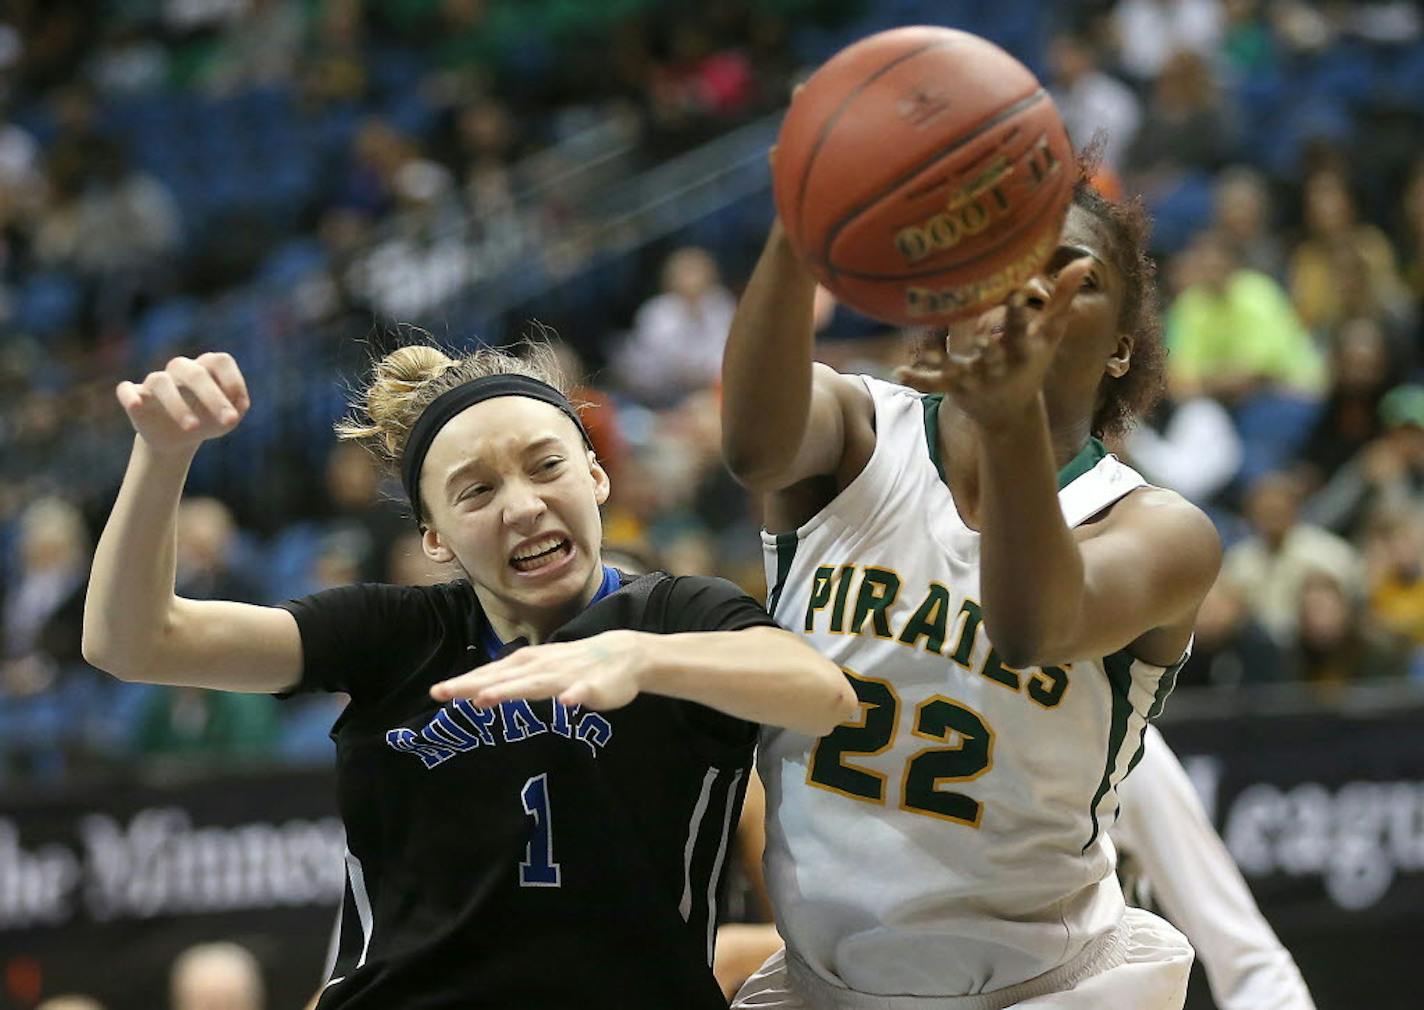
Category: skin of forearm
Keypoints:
(766, 367)
(764, 675)
(130, 592)
(1031, 577)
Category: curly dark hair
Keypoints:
(1122, 400)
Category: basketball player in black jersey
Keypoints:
(528, 826)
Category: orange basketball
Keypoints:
(923, 174)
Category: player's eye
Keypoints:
(472, 492)
(551, 464)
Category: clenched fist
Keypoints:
(189, 402)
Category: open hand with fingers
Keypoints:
(190, 401)
(994, 365)
(601, 672)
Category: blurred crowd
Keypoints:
(293, 181)
(206, 976)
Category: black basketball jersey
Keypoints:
(528, 855)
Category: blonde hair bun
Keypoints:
(408, 379)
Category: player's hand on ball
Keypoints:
(189, 402)
(601, 672)
(994, 365)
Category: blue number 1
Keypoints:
(538, 868)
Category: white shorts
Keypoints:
(1141, 965)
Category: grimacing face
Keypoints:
(512, 493)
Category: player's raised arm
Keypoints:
(135, 626)
(783, 417)
(1134, 578)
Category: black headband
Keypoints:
(448, 404)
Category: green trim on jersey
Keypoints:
(1080, 464)
(1119, 670)
(786, 544)
(1159, 700)
(1087, 457)
(931, 402)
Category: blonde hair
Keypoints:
(409, 379)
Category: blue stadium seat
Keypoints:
(305, 735)
(1406, 83)
(161, 330)
(1273, 428)
(1343, 75)
(1181, 213)
(1283, 139)
(291, 557)
(291, 262)
(48, 302)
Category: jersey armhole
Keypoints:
(931, 402)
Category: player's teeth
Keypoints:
(538, 548)
(532, 550)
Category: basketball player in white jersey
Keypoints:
(1011, 604)
(1186, 870)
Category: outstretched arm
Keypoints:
(761, 674)
(135, 627)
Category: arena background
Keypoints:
(297, 182)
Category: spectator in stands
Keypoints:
(21, 181)
(188, 724)
(1270, 567)
(1300, 28)
(1247, 48)
(129, 60)
(1242, 217)
(1187, 127)
(1188, 445)
(107, 218)
(1090, 101)
(1336, 643)
(1360, 297)
(1394, 563)
(1232, 332)
(334, 68)
(482, 133)
(1150, 33)
(676, 344)
(1231, 648)
(43, 610)
(1362, 367)
(341, 556)
(1386, 473)
(217, 976)
(1341, 259)
(259, 47)
(699, 84)
(360, 507)
(206, 544)
(378, 152)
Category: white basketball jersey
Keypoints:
(952, 839)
